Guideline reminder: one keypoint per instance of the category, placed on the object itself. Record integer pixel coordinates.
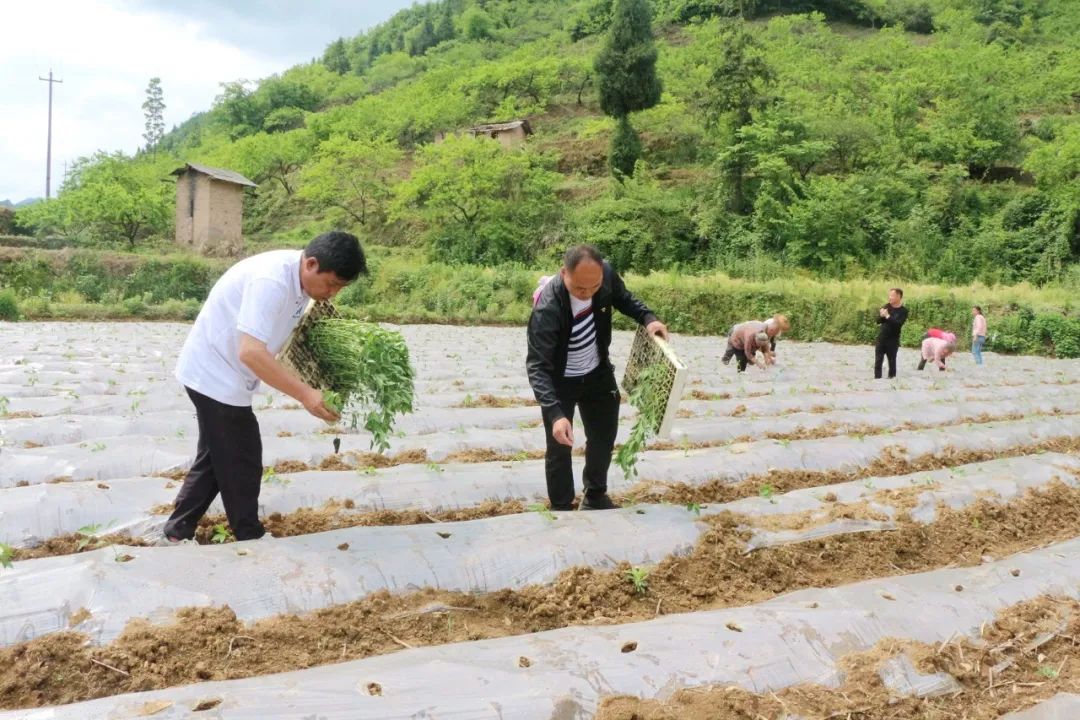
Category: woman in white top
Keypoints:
(978, 333)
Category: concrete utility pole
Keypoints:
(48, 150)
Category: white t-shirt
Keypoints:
(582, 356)
(259, 296)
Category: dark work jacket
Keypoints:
(890, 329)
(549, 333)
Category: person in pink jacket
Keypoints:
(978, 333)
(936, 349)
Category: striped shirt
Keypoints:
(582, 356)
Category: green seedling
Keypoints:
(684, 444)
(7, 554)
(4, 405)
(270, 477)
(369, 470)
(520, 457)
(975, 523)
(87, 537)
(767, 491)
(869, 484)
(180, 433)
(333, 400)
(222, 534)
(268, 401)
(639, 578)
(694, 507)
(541, 510)
(1048, 672)
(97, 447)
(435, 467)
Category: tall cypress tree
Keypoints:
(626, 67)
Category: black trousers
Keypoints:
(886, 349)
(228, 460)
(597, 396)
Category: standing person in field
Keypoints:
(569, 335)
(247, 318)
(747, 338)
(978, 333)
(891, 318)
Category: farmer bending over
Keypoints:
(249, 314)
(936, 349)
(569, 334)
(747, 338)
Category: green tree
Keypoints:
(476, 24)
(264, 158)
(626, 68)
(109, 198)
(444, 30)
(353, 175)
(477, 201)
(738, 84)
(336, 57)
(421, 38)
(154, 109)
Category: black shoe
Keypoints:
(600, 502)
(562, 508)
(922, 364)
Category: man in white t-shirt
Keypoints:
(569, 335)
(247, 318)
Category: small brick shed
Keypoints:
(510, 134)
(209, 209)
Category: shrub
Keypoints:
(9, 306)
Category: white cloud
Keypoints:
(105, 52)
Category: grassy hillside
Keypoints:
(927, 141)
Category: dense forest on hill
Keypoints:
(923, 140)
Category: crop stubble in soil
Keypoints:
(336, 515)
(1038, 668)
(210, 643)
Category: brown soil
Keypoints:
(210, 644)
(291, 466)
(702, 395)
(1032, 645)
(892, 461)
(30, 445)
(337, 515)
(487, 455)
(69, 544)
(178, 474)
(495, 401)
(21, 415)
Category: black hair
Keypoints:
(898, 291)
(977, 309)
(339, 252)
(578, 253)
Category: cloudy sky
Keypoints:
(106, 51)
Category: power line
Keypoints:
(48, 149)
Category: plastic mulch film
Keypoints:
(297, 354)
(800, 637)
(309, 572)
(668, 376)
(1063, 706)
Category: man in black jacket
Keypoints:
(568, 366)
(891, 318)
